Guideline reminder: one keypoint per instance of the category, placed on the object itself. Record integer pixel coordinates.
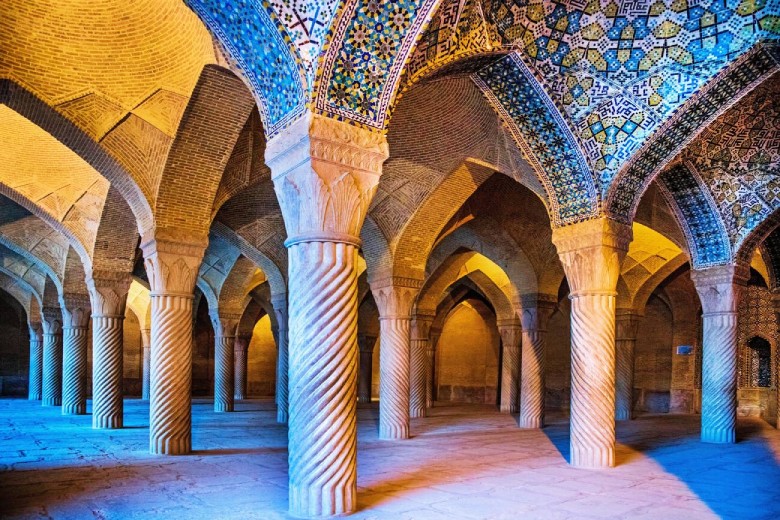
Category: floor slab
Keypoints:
(463, 462)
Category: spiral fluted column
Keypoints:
(108, 294)
(52, 357)
(74, 354)
(240, 350)
(719, 289)
(625, 343)
(146, 361)
(279, 304)
(591, 253)
(536, 311)
(510, 366)
(36, 361)
(366, 371)
(172, 267)
(430, 374)
(225, 324)
(418, 360)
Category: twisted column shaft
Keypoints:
(418, 388)
(36, 364)
(719, 378)
(366, 371)
(107, 372)
(532, 382)
(146, 363)
(224, 366)
(170, 429)
(240, 349)
(74, 370)
(282, 372)
(394, 378)
(52, 365)
(430, 368)
(510, 368)
(625, 344)
(323, 378)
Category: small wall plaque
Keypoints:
(684, 350)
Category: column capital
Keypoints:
(626, 324)
(510, 334)
(395, 297)
(172, 261)
(720, 287)
(279, 304)
(591, 253)
(225, 322)
(325, 173)
(421, 326)
(51, 320)
(36, 329)
(108, 293)
(75, 311)
(366, 342)
(241, 343)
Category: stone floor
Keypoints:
(465, 462)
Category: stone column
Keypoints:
(240, 350)
(36, 361)
(430, 376)
(279, 303)
(146, 362)
(366, 371)
(52, 357)
(75, 328)
(172, 267)
(535, 314)
(225, 323)
(510, 365)
(394, 299)
(591, 253)
(108, 293)
(626, 325)
(776, 303)
(325, 174)
(418, 359)
(719, 290)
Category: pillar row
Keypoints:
(325, 174)
(279, 303)
(535, 314)
(172, 266)
(108, 293)
(36, 361)
(418, 359)
(75, 330)
(626, 326)
(225, 323)
(366, 370)
(52, 357)
(240, 351)
(146, 362)
(510, 365)
(719, 289)
(591, 253)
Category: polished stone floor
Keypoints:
(465, 462)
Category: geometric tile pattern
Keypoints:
(365, 57)
(756, 318)
(307, 22)
(696, 212)
(257, 43)
(677, 131)
(543, 136)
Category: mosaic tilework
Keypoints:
(738, 157)
(677, 131)
(756, 318)
(366, 56)
(692, 203)
(257, 44)
(307, 22)
(543, 136)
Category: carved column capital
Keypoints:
(36, 328)
(421, 326)
(75, 311)
(325, 173)
(536, 309)
(224, 322)
(108, 293)
(172, 262)
(241, 343)
(279, 303)
(591, 253)
(395, 297)
(720, 287)
(51, 320)
(626, 324)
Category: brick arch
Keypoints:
(25, 294)
(697, 215)
(204, 142)
(74, 281)
(724, 90)
(244, 276)
(770, 251)
(51, 296)
(139, 301)
(116, 238)
(28, 271)
(764, 234)
(208, 292)
(639, 300)
(454, 296)
(52, 261)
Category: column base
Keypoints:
(310, 502)
(417, 413)
(508, 409)
(170, 447)
(239, 397)
(281, 416)
(106, 422)
(223, 407)
(718, 435)
(623, 415)
(364, 400)
(49, 401)
(34, 397)
(393, 433)
(592, 458)
(75, 409)
(531, 423)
